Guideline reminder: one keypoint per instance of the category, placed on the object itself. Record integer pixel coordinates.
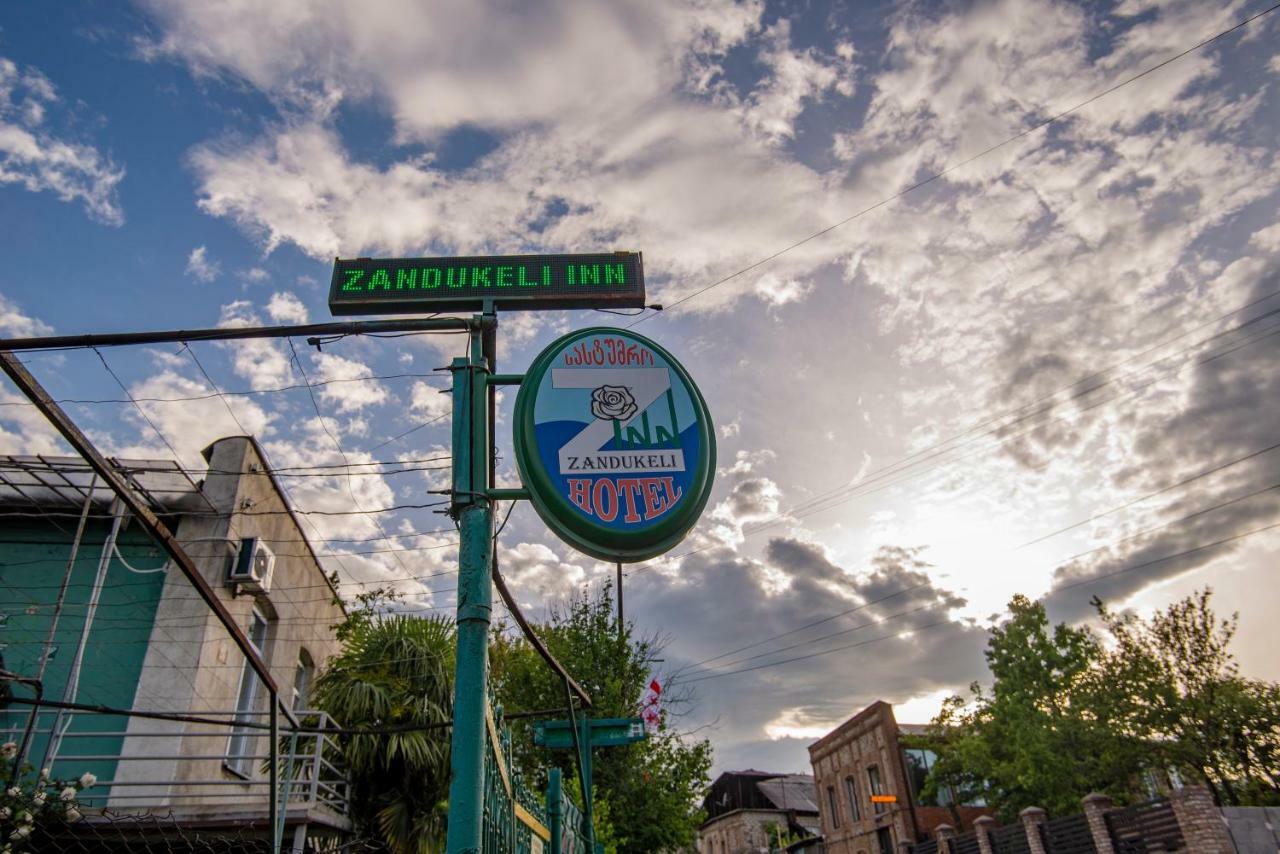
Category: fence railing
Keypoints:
(1150, 826)
(564, 818)
(1143, 828)
(185, 769)
(513, 820)
(1069, 834)
(1010, 840)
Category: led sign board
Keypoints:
(614, 443)
(425, 285)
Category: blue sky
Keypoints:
(170, 164)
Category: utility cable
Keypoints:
(1044, 123)
(1052, 592)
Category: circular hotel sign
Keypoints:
(614, 443)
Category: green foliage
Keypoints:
(1066, 715)
(779, 837)
(1040, 737)
(1181, 691)
(394, 671)
(649, 791)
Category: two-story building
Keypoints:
(870, 773)
(91, 606)
(757, 811)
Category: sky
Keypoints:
(1049, 369)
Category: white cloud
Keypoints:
(35, 157)
(429, 402)
(14, 323)
(347, 396)
(259, 360)
(254, 275)
(200, 266)
(516, 59)
(23, 430)
(1267, 239)
(188, 425)
(794, 78)
(285, 307)
(776, 292)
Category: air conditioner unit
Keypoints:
(253, 566)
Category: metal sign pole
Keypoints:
(474, 513)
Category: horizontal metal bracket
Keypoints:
(504, 379)
(498, 494)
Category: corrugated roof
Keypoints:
(791, 792)
(62, 483)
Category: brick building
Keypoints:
(752, 811)
(871, 754)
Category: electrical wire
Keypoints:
(916, 629)
(238, 393)
(1068, 562)
(1040, 125)
(841, 495)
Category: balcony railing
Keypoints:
(203, 770)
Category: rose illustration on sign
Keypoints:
(612, 403)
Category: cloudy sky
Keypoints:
(1050, 371)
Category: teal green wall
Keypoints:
(33, 558)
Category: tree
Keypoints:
(1067, 715)
(1043, 735)
(649, 790)
(394, 671)
(1183, 695)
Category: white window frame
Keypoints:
(240, 745)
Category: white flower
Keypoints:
(73, 814)
(8, 749)
(87, 779)
(5, 812)
(39, 798)
(20, 833)
(13, 791)
(44, 773)
(69, 793)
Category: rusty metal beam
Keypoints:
(34, 392)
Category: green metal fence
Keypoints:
(513, 821)
(564, 819)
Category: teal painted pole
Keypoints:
(588, 811)
(554, 817)
(475, 602)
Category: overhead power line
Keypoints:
(1060, 566)
(916, 629)
(882, 479)
(229, 393)
(1040, 125)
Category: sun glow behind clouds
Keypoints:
(796, 723)
(921, 709)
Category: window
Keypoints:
(302, 676)
(240, 747)
(885, 837)
(877, 788)
(851, 792)
(833, 807)
(919, 763)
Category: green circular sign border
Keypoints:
(559, 513)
